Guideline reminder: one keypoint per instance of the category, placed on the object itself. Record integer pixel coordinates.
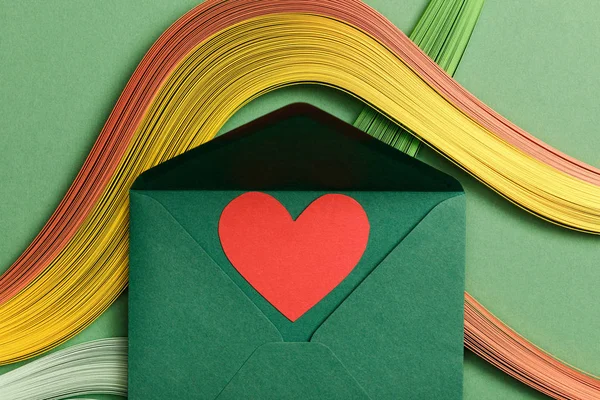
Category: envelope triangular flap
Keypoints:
(307, 371)
(297, 147)
(168, 324)
(400, 333)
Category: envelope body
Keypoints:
(392, 329)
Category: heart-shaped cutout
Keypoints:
(293, 264)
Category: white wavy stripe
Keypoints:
(96, 367)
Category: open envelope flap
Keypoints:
(166, 320)
(298, 147)
(306, 371)
(400, 333)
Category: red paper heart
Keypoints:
(293, 264)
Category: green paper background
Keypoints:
(64, 64)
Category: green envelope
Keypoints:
(393, 327)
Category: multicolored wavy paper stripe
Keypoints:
(201, 70)
(443, 33)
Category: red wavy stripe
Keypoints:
(495, 342)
